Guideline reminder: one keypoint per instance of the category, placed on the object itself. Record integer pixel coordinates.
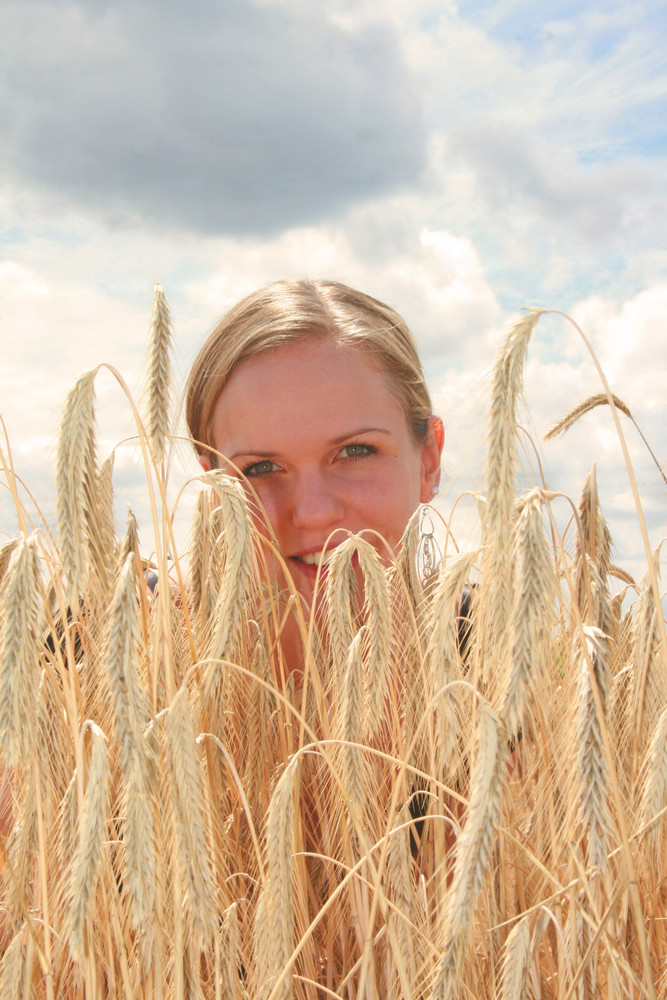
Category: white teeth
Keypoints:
(314, 558)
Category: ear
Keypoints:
(431, 452)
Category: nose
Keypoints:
(316, 505)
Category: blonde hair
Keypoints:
(293, 310)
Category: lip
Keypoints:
(311, 569)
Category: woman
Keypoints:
(314, 392)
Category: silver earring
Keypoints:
(435, 491)
(428, 555)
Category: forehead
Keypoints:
(313, 385)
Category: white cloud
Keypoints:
(479, 158)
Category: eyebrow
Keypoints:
(357, 433)
(252, 452)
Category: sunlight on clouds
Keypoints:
(632, 339)
(19, 281)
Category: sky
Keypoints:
(459, 161)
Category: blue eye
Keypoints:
(357, 450)
(263, 468)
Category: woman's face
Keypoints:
(318, 432)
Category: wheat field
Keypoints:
(410, 816)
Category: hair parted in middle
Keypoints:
(296, 309)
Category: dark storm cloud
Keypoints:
(224, 116)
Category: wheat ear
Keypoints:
(596, 541)
(263, 931)
(405, 569)
(101, 529)
(5, 555)
(654, 787)
(230, 960)
(533, 613)
(593, 776)
(129, 701)
(352, 717)
(473, 847)
(649, 676)
(12, 986)
(159, 375)
(76, 472)
(88, 859)
(501, 468)
(340, 604)
(137, 763)
(130, 543)
(377, 615)
(19, 658)
(68, 832)
(600, 399)
(442, 656)
(280, 896)
(226, 618)
(188, 799)
(516, 961)
(198, 562)
(402, 883)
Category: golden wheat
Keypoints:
(404, 816)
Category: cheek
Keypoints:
(266, 513)
(389, 506)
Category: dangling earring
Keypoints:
(428, 554)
